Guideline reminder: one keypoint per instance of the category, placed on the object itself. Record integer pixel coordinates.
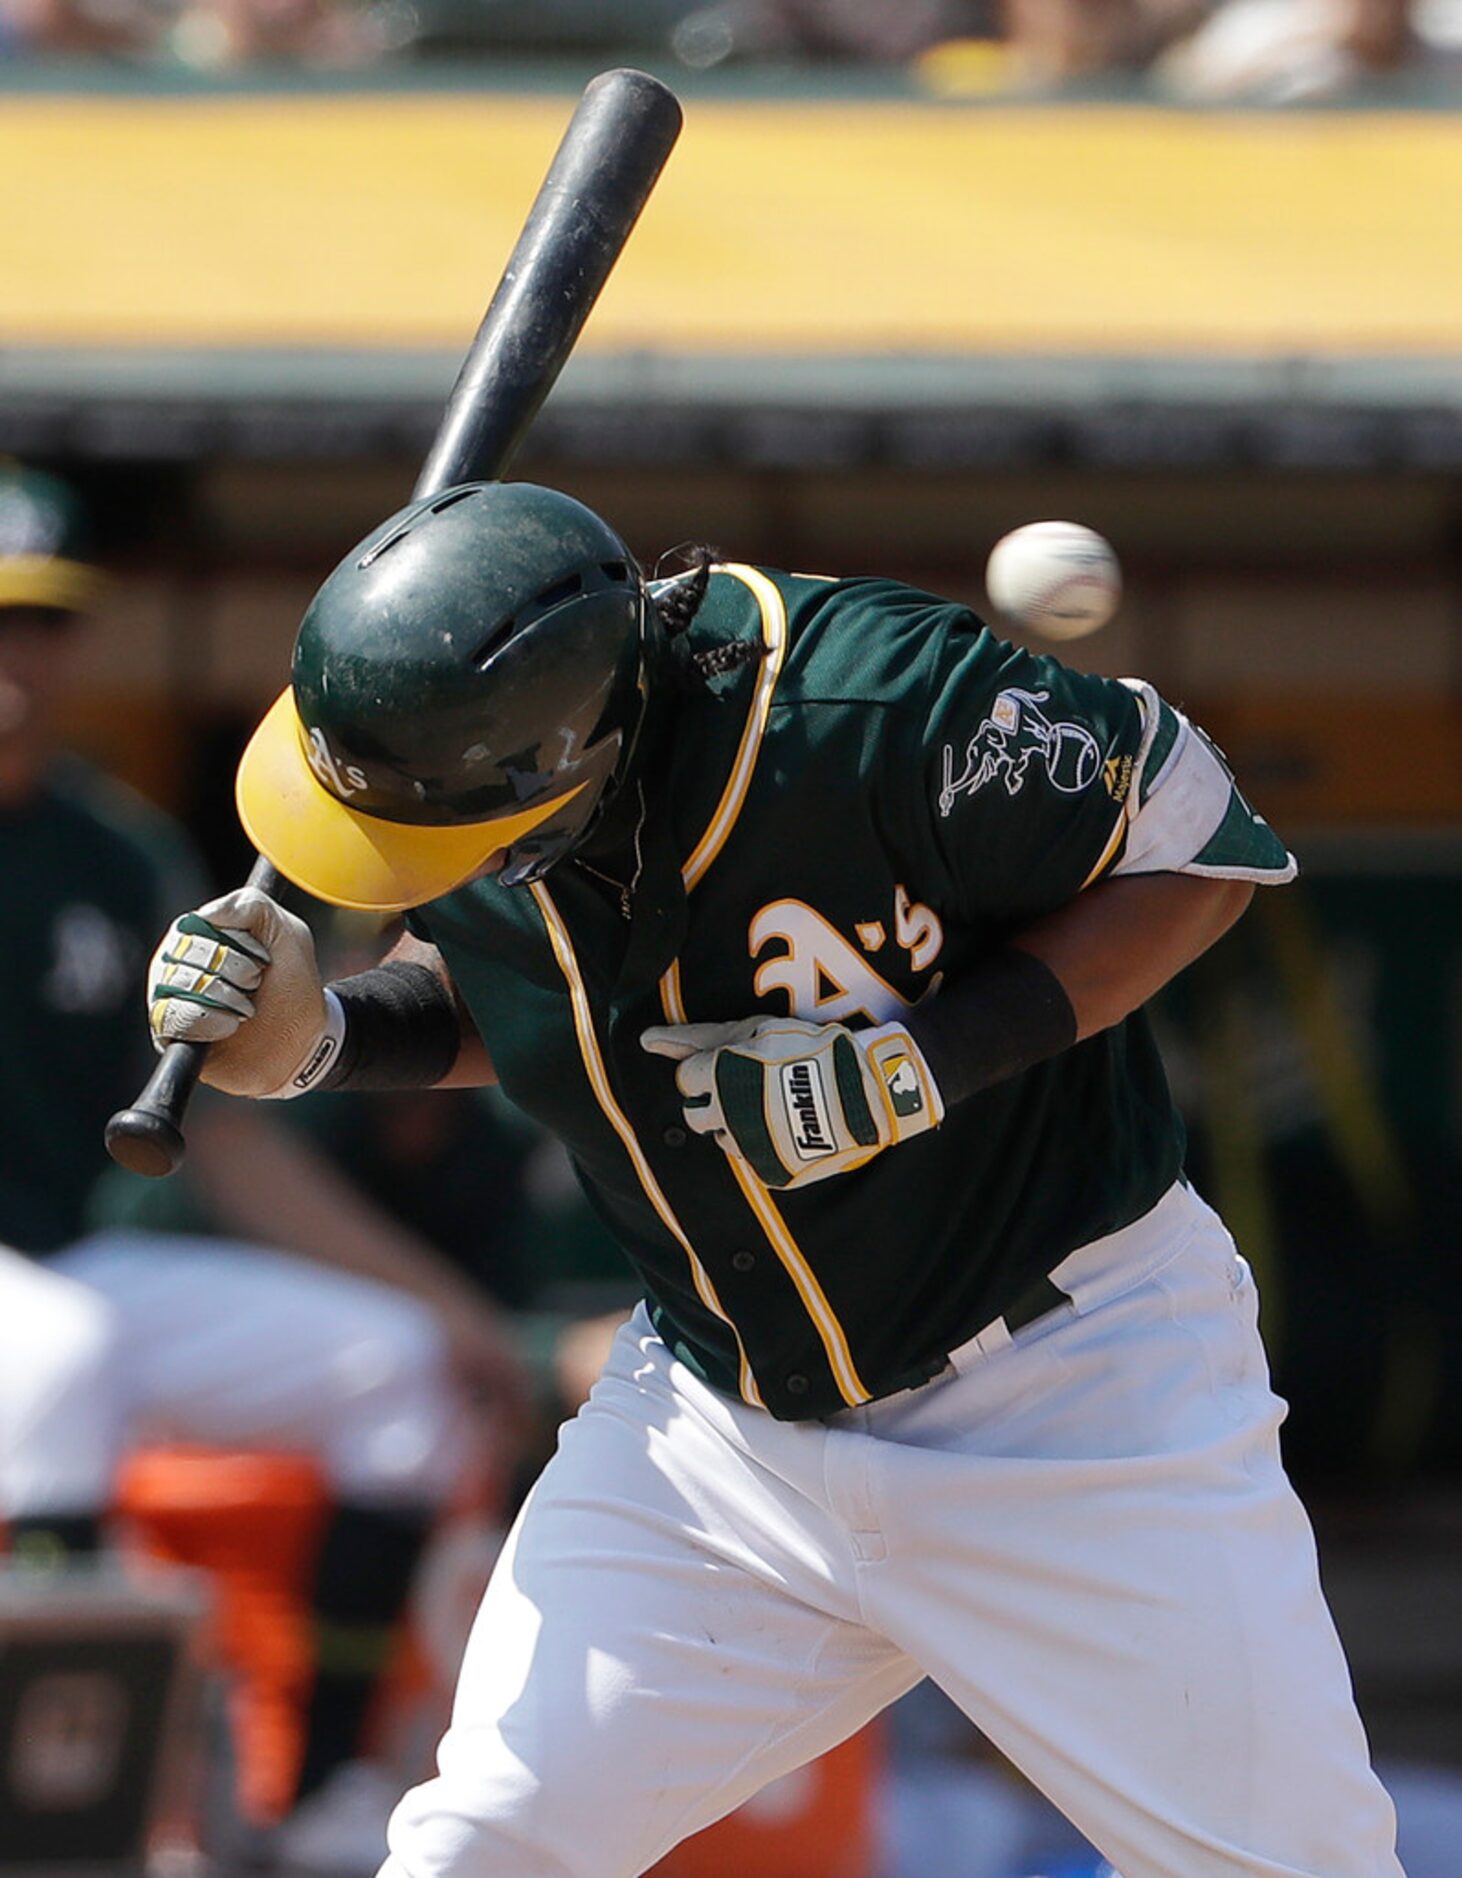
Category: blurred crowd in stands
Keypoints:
(1265, 51)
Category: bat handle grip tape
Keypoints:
(148, 1137)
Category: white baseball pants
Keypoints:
(132, 1336)
(1084, 1534)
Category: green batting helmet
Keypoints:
(471, 679)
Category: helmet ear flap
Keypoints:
(611, 749)
(531, 858)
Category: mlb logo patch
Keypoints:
(901, 1079)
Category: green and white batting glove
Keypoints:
(240, 975)
(800, 1102)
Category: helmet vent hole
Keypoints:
(616, 570)
(494, 642)
(560, 590)
(456, 496)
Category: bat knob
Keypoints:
(148, 1137)
(145, 1143)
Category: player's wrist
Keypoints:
(1004, 1016)
(313, 1068)
(400, 1029)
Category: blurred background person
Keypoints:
(1260, 51)
(318, 1324)
(1051, 42)
(857, 30)
(75, 27)
(207, 35)
(1286, 51)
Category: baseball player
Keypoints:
(107, 1338)
(818, 922)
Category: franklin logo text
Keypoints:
(806, 1107)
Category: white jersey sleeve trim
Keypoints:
(1189, 817)
(1261, 876)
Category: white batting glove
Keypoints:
(240, 975)
(800, 1102)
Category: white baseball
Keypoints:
(1059, 579)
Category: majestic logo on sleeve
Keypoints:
(1117, 776)
(806, 1105)
(1016, 732)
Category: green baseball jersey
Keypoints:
(830, 832)
(92, 876)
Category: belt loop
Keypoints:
(1035, 1301)
(995, 1336)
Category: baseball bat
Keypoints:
(611, 155)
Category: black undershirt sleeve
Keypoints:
(1006, 1015)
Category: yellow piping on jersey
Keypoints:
(774, 634)
(1129, 807)
(789, 1253)
(671, 1002)
(775, 637)
(834, 1340)
(1108, 852)
(568, 964)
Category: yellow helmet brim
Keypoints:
(348, 859)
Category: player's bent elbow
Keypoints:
(1122, 942)
(1229, 903)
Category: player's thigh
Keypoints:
(660, 1639)
(233, 1343)
(1121, 1589)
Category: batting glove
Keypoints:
(240, 975)
(800, 1102)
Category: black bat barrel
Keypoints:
(612, 152)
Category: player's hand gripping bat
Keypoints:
(612, 153)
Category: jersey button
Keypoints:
(797, 1384)
(675, 1137)
(743, 1261)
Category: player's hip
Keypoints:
(1150, 1346)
